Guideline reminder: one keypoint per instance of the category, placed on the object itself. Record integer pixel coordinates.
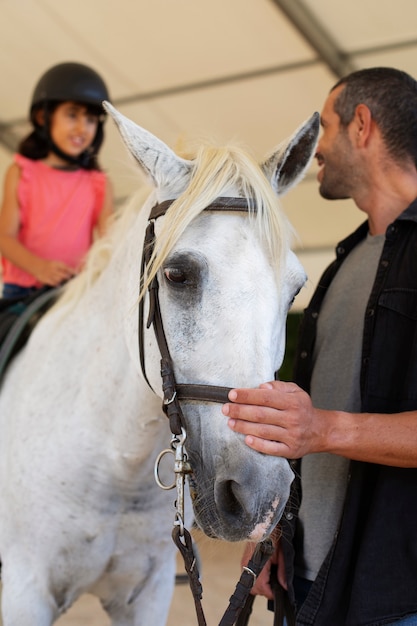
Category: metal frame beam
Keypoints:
(304, 21)
(9, 139)
(315, 34)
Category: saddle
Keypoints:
(18, 317)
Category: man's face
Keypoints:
(334, 154)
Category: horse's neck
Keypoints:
(116, 297)
(96, 343)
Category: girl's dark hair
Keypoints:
(37, 144)
(391, 96)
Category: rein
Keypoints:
(239, 609)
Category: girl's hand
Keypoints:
(52, 273)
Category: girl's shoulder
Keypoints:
(28, 167)
(23, 162)
(98, 175)
(99, 180)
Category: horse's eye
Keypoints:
(293, 298)
(175, 275)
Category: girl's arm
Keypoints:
(46, 272)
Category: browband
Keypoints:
(219, 204)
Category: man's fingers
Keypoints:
(249, 414)
(271, 448)
(273, 394)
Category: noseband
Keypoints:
(174, 392)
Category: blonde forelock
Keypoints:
(216, 171)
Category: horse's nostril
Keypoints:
(229, 498)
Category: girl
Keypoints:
(55, 196)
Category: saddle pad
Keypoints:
(18, 317)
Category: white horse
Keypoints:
(80, 428)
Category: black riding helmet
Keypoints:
(72, 82)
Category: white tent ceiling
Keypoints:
(250, 70)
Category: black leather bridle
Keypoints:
(174, 392)
(240, 606)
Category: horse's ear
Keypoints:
(288, 163)
(165, 169)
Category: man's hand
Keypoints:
(277, 418)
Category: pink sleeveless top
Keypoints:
(58, 212)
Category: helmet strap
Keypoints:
(80, 161)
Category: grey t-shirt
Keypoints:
(335, 385)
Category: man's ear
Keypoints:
(363, 124)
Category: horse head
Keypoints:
(226, 280)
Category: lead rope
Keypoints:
(184, 544)
(241, 597)
(282, 606)
(241, 602)
(180, 534)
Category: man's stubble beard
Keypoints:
(339, 173)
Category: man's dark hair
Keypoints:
(391, 96)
